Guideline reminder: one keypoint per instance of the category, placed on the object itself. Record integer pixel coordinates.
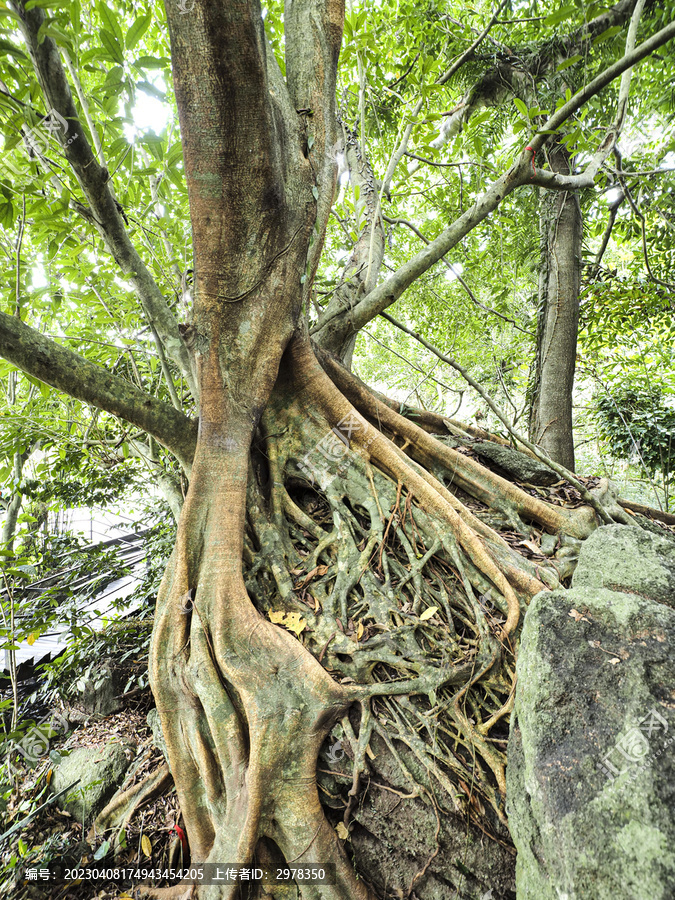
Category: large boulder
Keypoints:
(100, 771)
(629, 559)
(395, 836)
(521, 466)
(97, 693)
(591, 774)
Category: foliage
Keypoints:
(639, 424)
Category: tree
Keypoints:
(325, 562)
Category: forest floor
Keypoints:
(56, 835)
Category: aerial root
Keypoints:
(470, 475)
(410, 601)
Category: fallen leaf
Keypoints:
(577, 616)
(146, 845)
(428, 613)
(319, 570)
(614, 661)
(342, 832)
(530, 546)
(359, 631)
(293, 621)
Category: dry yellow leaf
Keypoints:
(292, 620)
(359, 631)
(295, 623)
(428, 613)
(146, 845)
(342, 832)
(49, 776)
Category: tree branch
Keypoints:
(559, 181)
(313, 36)
(71, 373)
(519, 174)
(503, 79)
(400, 151)
(459, 278)
(594, 86)
(96, 186)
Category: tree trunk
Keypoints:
(304, 509)
(558, 318)
(13, 507)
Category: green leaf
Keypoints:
(151, 90)
(607, 35)
(522, 109)
(43, 4)
(102, 850)
(110, 21)
(112, 46)
(7, 48)
(560, 15)
(152, 62)
(137, 30)
(569, 62)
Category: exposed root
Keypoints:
(394, 595)
(118, 813)
(472, 477)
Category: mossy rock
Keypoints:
(628, 559)
(591, 766)
(100, 770)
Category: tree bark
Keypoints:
(561, 233)
(14, 505)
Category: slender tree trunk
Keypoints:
(13, 507)
(558, 318)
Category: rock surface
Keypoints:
(591, 774)
(393, 835)
(100, 770)
(628, 559)
(521, 466)
(97, 693)
(157, 734)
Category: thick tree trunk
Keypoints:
(558, 318)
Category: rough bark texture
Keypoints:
(558, 318)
